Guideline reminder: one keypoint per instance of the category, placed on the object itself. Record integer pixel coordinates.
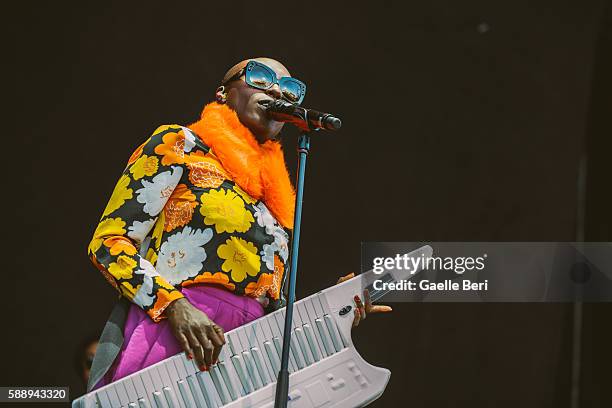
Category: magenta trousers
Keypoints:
(146, 342)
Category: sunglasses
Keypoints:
(263, 77)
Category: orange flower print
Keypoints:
(137, 153)
(277, 278)
(257, 289)
(172, 149)
(218, 278)
(178, 210)
(119, 244)
(205, 171)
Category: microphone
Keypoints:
(305, 119)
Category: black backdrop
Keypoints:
(462, 121)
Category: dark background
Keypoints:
(462, 121)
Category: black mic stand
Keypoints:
(282, 384)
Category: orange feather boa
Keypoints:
(259, 169)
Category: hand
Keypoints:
(362, 311)
(199, 336)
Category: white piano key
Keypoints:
(185, 392)
(209, 391)
(171, 397)
(312, 314)
(304, 346)
(252, 371)
(144, 386)
(324, 336)
(219, 384)
(243, 376)
(189, 365)
(131, 390)
(227, 370)
(233, 342)
(119, 386)
(155, 378)
(143, 403)
(113, 398)
(256, 337)
(333, 332)
(160, 400)
(197, 392)
(238, 362)
(103, 400)
(299, 330)
(280, 324)
(272, 356)
(278, 347)
(259, 358)
(227, 380)
(297, 354)
(133, 404)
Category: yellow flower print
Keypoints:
(122, 269)
(166, 127)
(144, 166)
(163, 283)
(110, 226)
(151, 256)
(240, 258)
(120, 194)
(244, 195)
(225, 210)
(128, 290)
(158, 230)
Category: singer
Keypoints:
(195, 234)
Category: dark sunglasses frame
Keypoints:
(281, 82)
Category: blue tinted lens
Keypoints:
(259, 76)
(292, 89)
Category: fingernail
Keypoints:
(189, 356)
(203, 368)
(357, 298)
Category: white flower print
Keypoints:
(189, 140)
(280, 246)
(154, 194)
(182, 256)
(264, 217)
(144, 297)
(139, 230)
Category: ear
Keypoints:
(220, 94)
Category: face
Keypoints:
(243, 99)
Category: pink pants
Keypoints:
(146, 342)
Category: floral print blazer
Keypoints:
(176, 218)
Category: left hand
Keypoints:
(361, 310)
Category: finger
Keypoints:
(346, 277)
(198, 352)
(357, 318)
(380, 309)
(360, 306)
(184, 345)
(218, 340)
(207, 346)
(368, 300)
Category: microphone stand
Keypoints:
(282, 384)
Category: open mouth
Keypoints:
(264, 102)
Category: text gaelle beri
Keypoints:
(412, 264)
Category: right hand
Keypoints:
(199, 336)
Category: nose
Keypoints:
(275, 91)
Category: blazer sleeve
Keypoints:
(134, 212)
